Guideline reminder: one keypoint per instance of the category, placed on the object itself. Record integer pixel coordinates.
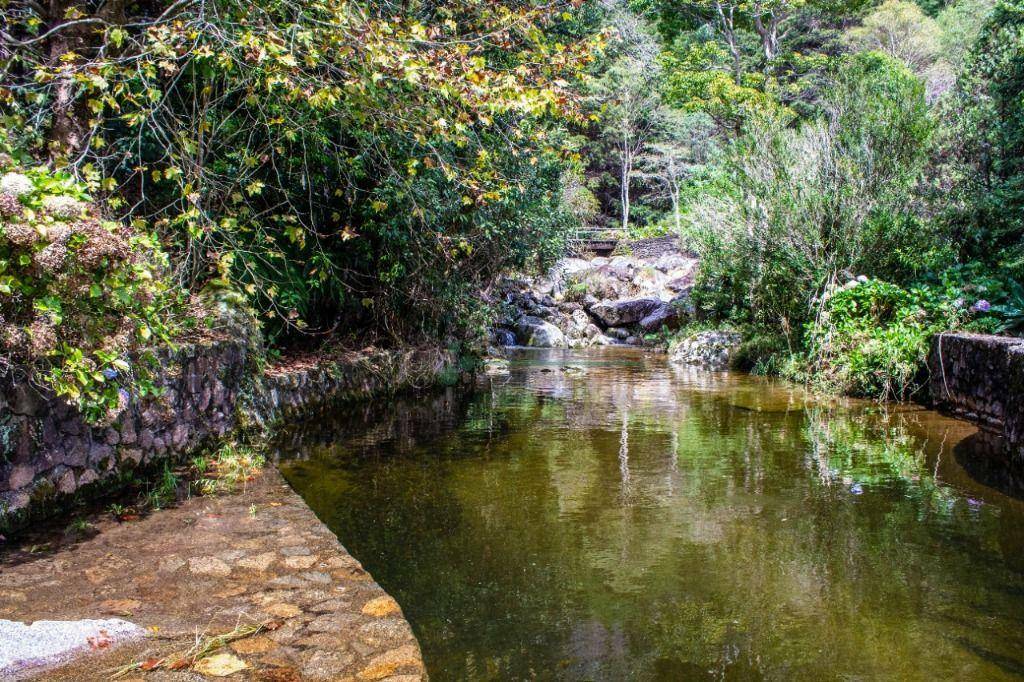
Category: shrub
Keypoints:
(987, 140)
(347, 165)
(78, 294)
(806, 206)
(873, 337)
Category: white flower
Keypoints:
(63, 208)
(16, 184)
(862, 279)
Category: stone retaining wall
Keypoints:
(208, 391)
(981, 378)
(654, 247)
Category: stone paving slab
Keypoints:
(207, 566)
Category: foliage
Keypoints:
(901, 30)
(873, 337)
(802, 206)
(346, 163)
(226, 468)
(961, 24)
(1011, 311)
(79, 295)
(987, 140)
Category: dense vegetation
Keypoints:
(349, 167)
(851, 173)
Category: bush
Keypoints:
(805, 207)
(987, 140)
(872, 337)
(78, 294)
(352, 166)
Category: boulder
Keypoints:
(533, 331)
(502, 337)
(602, 340)
(673, 261)
(710, 350)
(624, 312)
(572, 266)
(665, 315)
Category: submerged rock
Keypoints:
(710, 350)
(495, 366)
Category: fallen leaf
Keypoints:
(284, 610)
(120, 607)
(150, 664)
(220, 665)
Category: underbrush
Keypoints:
(871, 338)
(81, 297)
(226, 468)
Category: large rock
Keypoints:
(624, 312)
(533, 331)
(502, 337)
(24, 646)
(710, 350)
(665, 315)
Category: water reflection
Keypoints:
(604, 516)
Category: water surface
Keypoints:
(600, 515)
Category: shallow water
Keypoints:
(599, 515)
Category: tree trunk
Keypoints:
(627, 170)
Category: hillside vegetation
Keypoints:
(851, 174)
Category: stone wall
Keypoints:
(208, 391)
(654, 247)
(981, 378)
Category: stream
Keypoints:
(602, 515)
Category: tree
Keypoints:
(771, 20)
(805, 206)
(901, 30)
(343, 162)
(683, 145)
(988, 141)
(626, 96)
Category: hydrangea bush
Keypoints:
(79, 295)
(872, 337)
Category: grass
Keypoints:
(227, 468)
(204, 646)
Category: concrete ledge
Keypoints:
(980, 378)
(208, 565)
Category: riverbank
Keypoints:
(212, 566)
(204, 394)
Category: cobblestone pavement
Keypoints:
(206, 567)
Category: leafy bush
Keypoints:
(804, 207)
(78, 294)
(873, 337)
(349, 165)
(1011, 311)
(986, 137)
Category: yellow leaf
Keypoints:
(220, 665)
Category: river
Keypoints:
(601, 515)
